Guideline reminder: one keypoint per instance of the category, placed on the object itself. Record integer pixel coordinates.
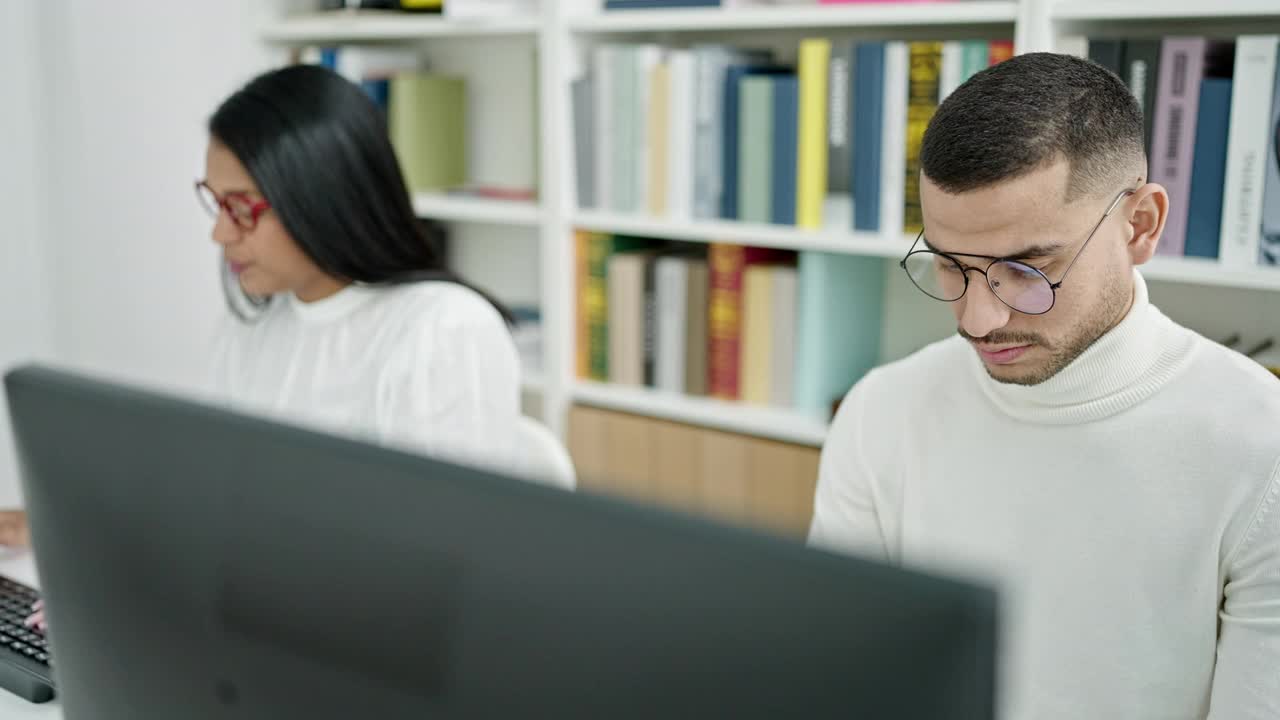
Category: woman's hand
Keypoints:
(36, 620)
(13, 528)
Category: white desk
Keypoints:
(21, 567)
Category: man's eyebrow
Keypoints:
(1029, 253)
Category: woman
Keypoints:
(344, 317)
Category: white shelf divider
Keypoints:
(798, 17)
(1105, 10)
(464, 208)
(375, 25)
(757, 235)
(1201, 271)
(773, 423)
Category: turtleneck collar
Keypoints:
(1121, 369)
(334, 307)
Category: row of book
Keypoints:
(1212, 114)
(737, 323)
(717, 132)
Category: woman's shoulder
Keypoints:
(442, 305)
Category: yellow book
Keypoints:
(811, 170)
(659, 111)
(756, 364)
(582, 324)
(922, 103)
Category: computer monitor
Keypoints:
(201, 564)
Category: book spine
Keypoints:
(1142, 73)
(838, 210)
(659, 132)
(1208, 168)
(786, 102)
(1246, 147)
(1173, 141)
(894, 133)
(582, 324)
(999, 51)
(922, 103)
(724, 323)
(1269, 252)
(755, 149)
(584, 131)
(869, 97)
(596, 301)
(810, 169)
(650, 320)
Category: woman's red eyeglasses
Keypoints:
(243, 209)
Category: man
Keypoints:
(1114, 475)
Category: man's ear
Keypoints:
(1148, 209)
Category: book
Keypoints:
(1208, 168)
(999, 51)
(1269, 250)
(603, 99)
(584, 132)
(868, 134)
(647, 59)
(681, 334)
(1107, 53)
(840, 304)
(594, 301)
(680, 134)
(893, 152)
(726, 265)
(1141, 72)
(581, 326)
(731, 132)
(754, 169)
(757, 335)
(427, 124)
(1251, 93)
(658, 130)
(837, 211)
(626, 279)
(784, 179)
(711, 66)
(951, 70)
(810, 168)
(922, 103)
(1173, 138)
(975, 58)
(782, 365)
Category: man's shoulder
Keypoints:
(939, 362)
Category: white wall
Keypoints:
(130, 86)
(25, 333)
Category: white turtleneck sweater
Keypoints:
(1127, 511)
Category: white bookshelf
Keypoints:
(463, 208)
(797, 17)
(353, 26)
(1164, 11)
(564, 33)
(762, 421)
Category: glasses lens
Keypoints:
(1021, 287)
(936, 275)
(208, 200)
(241, 209)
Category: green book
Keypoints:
(755, 149)
(975, 57)
(427, 115)
(841, 299)
(596, 296)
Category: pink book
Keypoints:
(1173, 134)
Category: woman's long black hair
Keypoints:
(319, 151)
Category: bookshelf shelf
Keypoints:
(982, 12)
(373, 25)
(756, 235)
(453, 208)
(1105, 10)
(533, 382)
(773, 423)
(1199, 271)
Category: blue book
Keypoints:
(329, 58)
(786, 141)
(840, 304)
(1209, 169)
(729, 138)
(868, 93)
(379, 91)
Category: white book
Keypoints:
(648, 57)
(1247, 142)
(603, 79)
(783, 363)
(952, 69)
(1077, 45)
(671, 278)
(680, 134)
(893, 148)
(358, 63)
(490, 9)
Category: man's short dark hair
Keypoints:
(1027, 112)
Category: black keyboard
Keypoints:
(24, 652)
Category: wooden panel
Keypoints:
(677, 466)
(781, 486)
(629, 456)
(725, 459)
(587, 446)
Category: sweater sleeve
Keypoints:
(845, 518)
(459, 396)
(1246, 683)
